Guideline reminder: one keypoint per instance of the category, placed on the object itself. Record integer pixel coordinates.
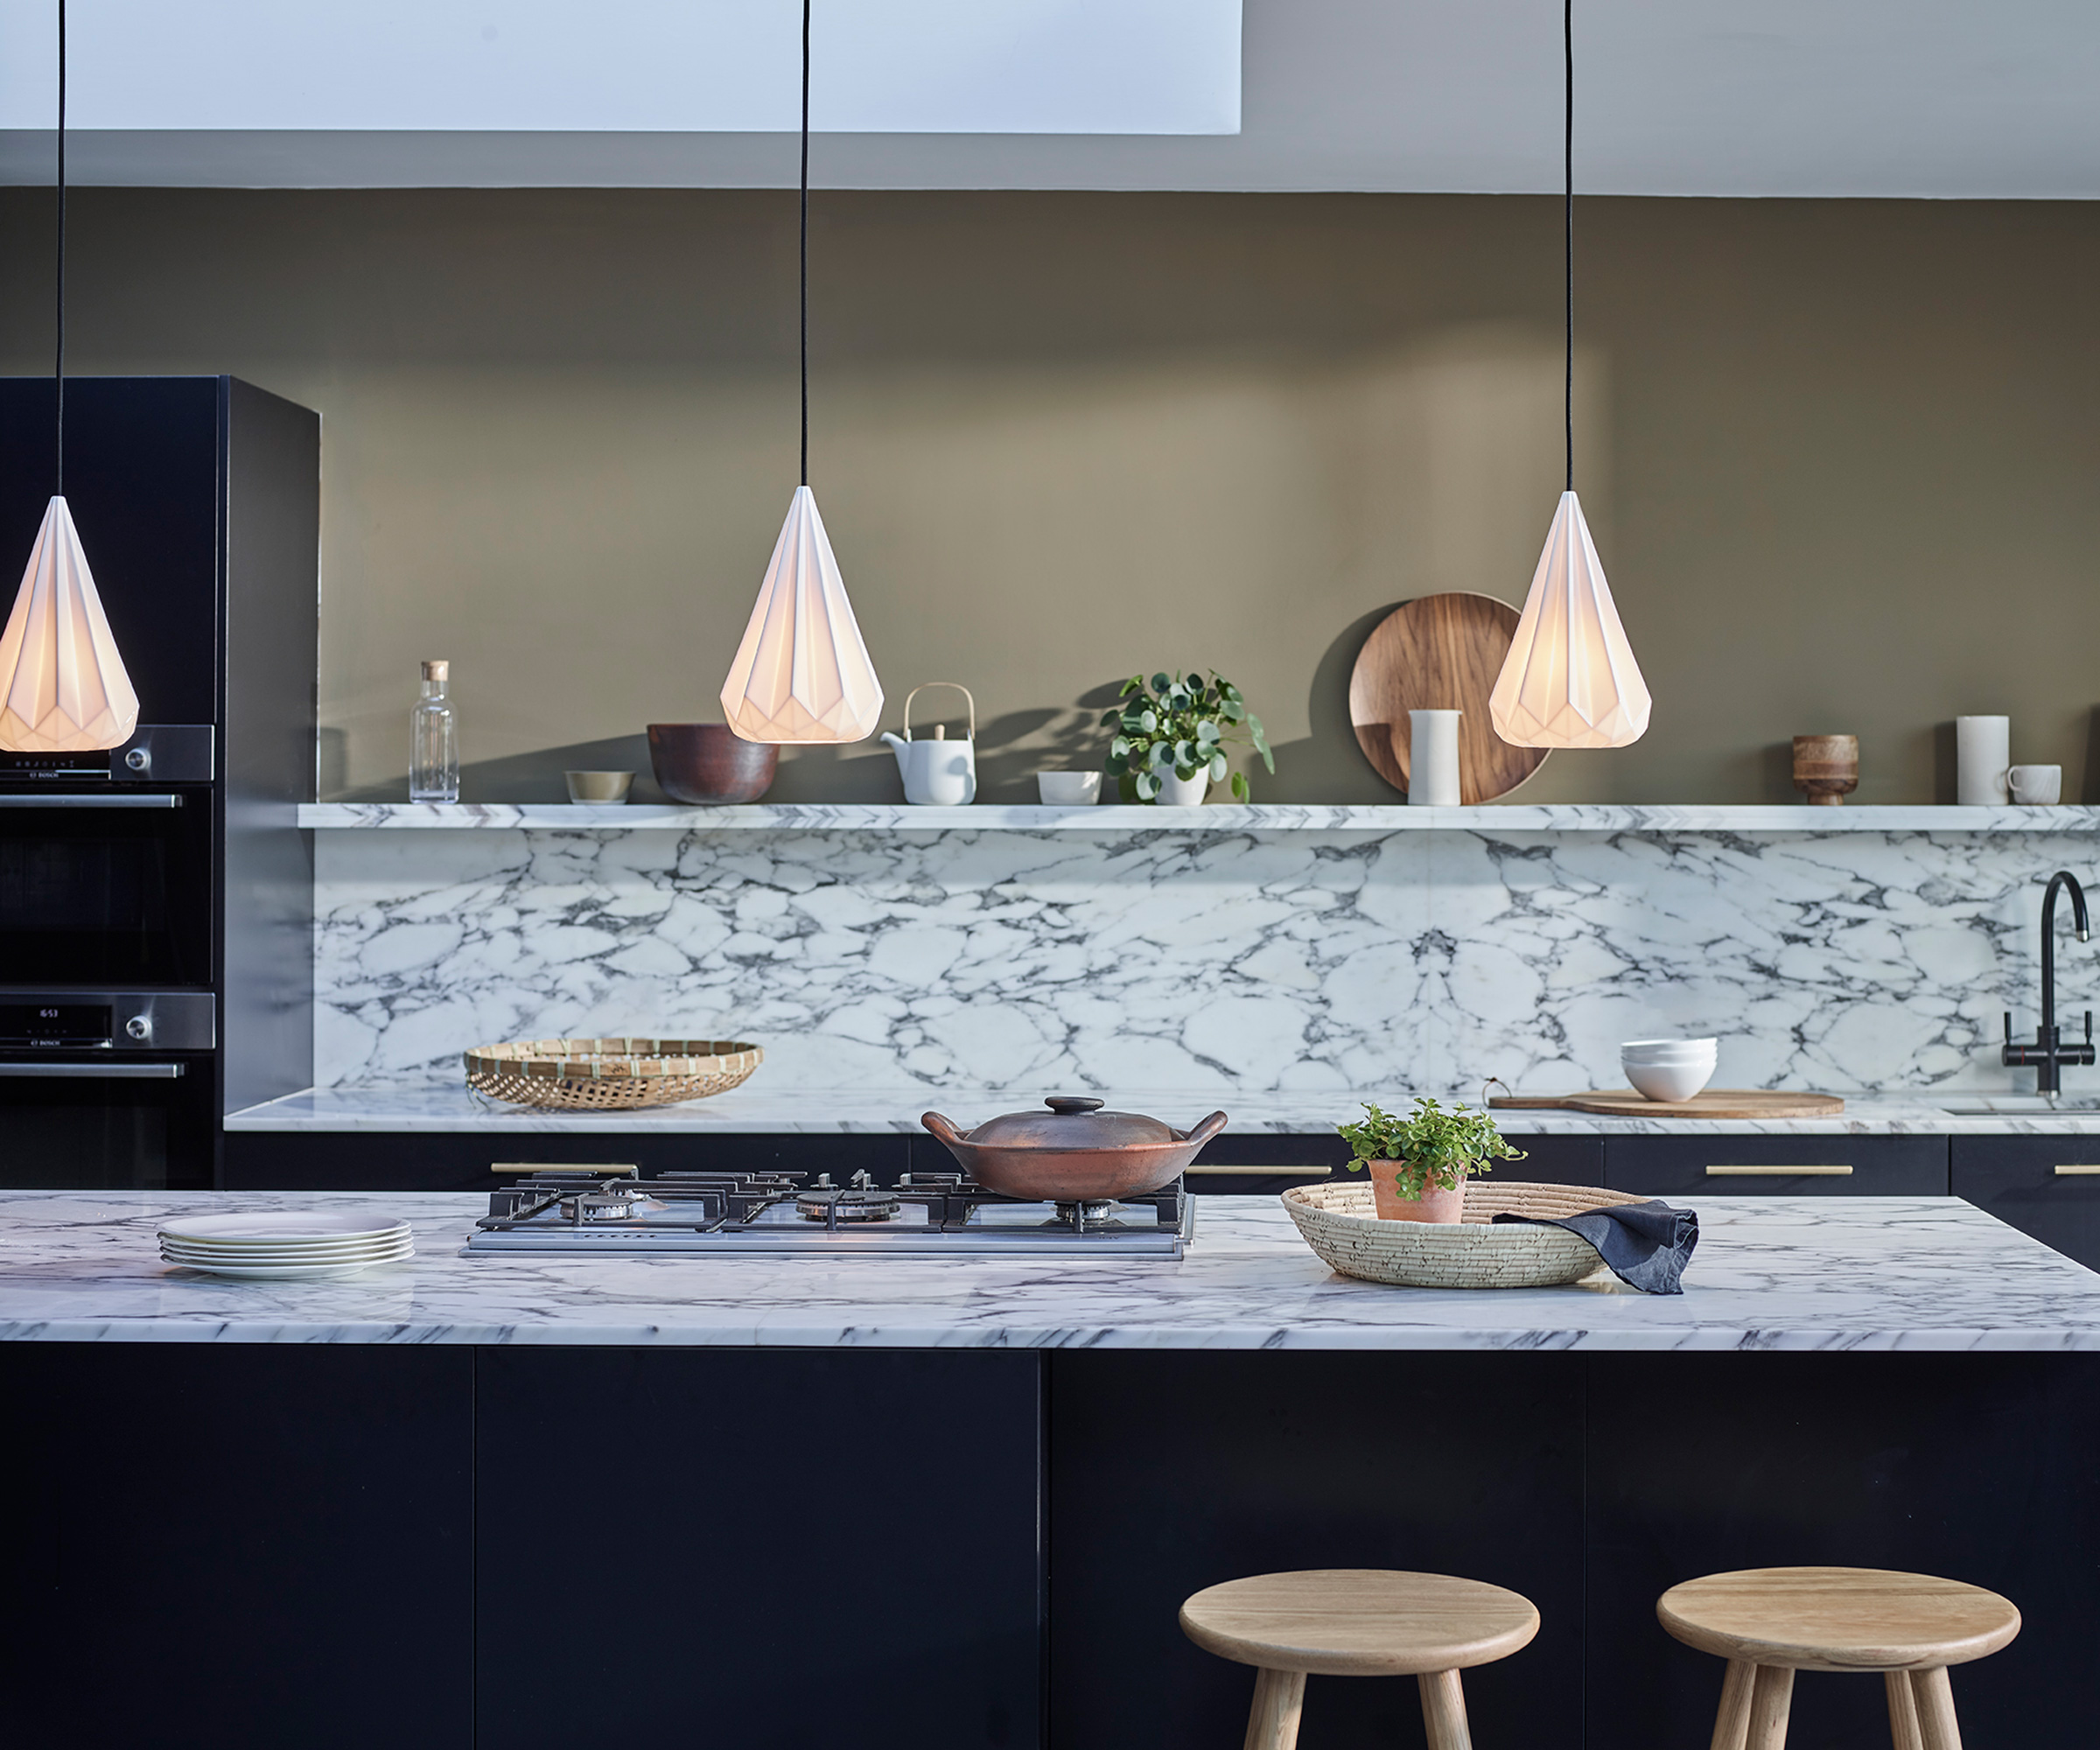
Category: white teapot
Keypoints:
(938, 773)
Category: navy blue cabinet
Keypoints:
(1725, 1166)
(2048, 1186)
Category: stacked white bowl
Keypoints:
(1669, 1069)
(279, 1246)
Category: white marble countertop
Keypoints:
(1214, 817)
(757, 1108)
(1851, 1273)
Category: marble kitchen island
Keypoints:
(455, 1475)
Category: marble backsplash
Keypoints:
(1177, 959)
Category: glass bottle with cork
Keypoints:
(433, 742)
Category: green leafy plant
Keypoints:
(1179, 724)
(1437, 1148)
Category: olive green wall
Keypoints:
(1842, 459)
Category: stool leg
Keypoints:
(1444, 1711)
(1769, 1702)
(1279, 1697)
(1935, 1695)
(1902, 1712)
(1732, 1721)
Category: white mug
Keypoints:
(1432, 758)
(2039, 786)
(1981, 751)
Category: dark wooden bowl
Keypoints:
(709, 764)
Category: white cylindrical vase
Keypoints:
(1983, 752)
(1432, 758)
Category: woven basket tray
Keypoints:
(1338, 1222)
(609, 1075)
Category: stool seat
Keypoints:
(1838, 1618)
(1359, 1622)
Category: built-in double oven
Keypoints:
(108, 1018)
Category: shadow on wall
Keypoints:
(1011, 748)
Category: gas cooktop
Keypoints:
(586, 1214)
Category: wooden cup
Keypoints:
(1826, 767)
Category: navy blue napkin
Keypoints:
(1647, 1244)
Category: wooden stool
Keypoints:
(1769, 1623)
(1357, 1622)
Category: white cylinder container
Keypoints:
(1432, 758)
(1983, 752)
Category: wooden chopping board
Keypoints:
(1439, 653)
(1713, 1103)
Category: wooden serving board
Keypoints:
(1714, 1103)
(1439, 653)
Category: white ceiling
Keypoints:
(1953, 98)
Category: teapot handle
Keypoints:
(1204, 1131)
(922, 686)
(943, 1127)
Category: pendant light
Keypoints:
(1570, 679)
(802, 673)
(63, 688)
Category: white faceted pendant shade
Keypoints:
(802, 673)
(63, 688)
(1570, 679)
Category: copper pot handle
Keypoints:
(1204, 1131)
(943, 1127)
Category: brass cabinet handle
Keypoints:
(563, 1166)
(2077, 1171)
(1782, 1172)
(1273, 1172)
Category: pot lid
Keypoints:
(1072, 1121)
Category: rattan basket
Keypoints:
(609, 1075)
(1338, 1222)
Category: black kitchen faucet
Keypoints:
(2049, 1053)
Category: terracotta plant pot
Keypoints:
(1430, 1205)
(710, 766)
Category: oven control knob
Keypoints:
(139, 1028)
(138, 758)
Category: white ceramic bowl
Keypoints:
(1068, 790)
(1669, 1080)
(599, 787)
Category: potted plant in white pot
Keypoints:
(1419, 1164)
(1171, 738)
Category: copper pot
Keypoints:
(1074, 1152)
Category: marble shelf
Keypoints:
(448, 1106)
(1848, 1274)
(1224, 817)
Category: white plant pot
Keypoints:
(1177, 792)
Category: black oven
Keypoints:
(108, 1076)
(106, 1090)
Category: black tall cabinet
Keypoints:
(197, 500)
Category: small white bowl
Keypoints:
(1068, 790)
(1669, 1080)
(599, 787)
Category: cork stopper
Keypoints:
(439, 669)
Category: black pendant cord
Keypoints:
(805, 242)
(1567, 43)
(58, 369)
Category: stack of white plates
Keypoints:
(281, 1246)
(1670, 1069)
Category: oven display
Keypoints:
(54, 1023)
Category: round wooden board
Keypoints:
(1439, 653)
(1714, 1103)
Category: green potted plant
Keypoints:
(1171, 738)
(1419, 1164)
